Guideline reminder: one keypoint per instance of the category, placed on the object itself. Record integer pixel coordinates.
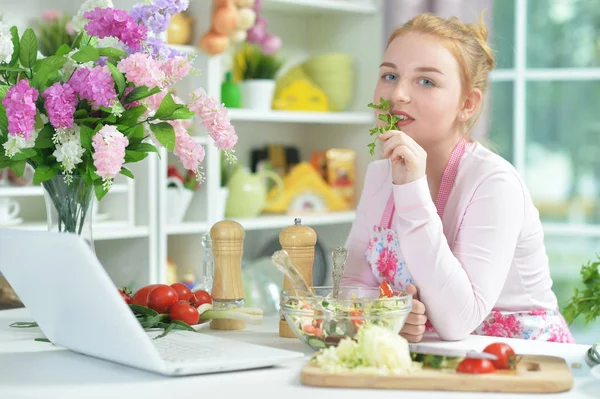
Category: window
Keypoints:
(545, 119)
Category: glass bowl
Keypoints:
(320, 321)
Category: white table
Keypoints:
(31, 369)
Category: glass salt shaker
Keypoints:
(207, 272)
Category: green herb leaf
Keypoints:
(389, 119)
(586, 301)
(86, 54)
(165, 134)
(42, 340)
(24, 324)
(29, 48)
(43, 173)
(143, 310)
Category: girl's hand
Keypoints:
(408, 158)
(414, 328)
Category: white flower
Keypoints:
(69, 154)
(6, 44)
(78, 22)
(65, 135)
(70, 66)
(383, 349)
(14, 144)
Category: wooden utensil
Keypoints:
(299, 243)
(228, 247)
(535, 374)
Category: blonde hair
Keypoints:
(468, 44)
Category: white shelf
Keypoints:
(571, 230)
(187, 228)
(350, 118)
(185, 48)
(101, 231)
(320, 6)
(280, 221)
(37, 190)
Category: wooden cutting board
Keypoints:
(535, 374)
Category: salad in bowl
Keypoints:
(321, 321)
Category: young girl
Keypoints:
(441, 216)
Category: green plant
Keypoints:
(586, 302)
(52, 32)
(386, 116)
(254, 64)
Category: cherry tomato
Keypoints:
(161, 298)
(356, 317)
(505, 354)
(141, 296)
(200, 298)
(385, 290)
(183, 292)
(125, 294)
(185, 312)
(475, 366)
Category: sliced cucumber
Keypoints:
(316, 343)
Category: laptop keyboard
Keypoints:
(177, 349)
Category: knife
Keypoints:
(437, 351)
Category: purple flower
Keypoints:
(158, 49)
(20, 108)
(156, 16)
(173, 6)
(111, 22)
(60, 103)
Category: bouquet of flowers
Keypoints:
(84, 112)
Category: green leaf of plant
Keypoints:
(86, 54)
(29, 48)
(43, 173)
(24, 154)
(47, 66)
(180, 113)
(130, 117)
(143, 147)
(14, 32)
(111, 52)
(99, 189)
(143, 310)
(166, 108)
(8, 68)
(140, 93)
(117, 77)
(86, 133)
(18, 167)
(3, 120)
(134, 156)
(126, 172)
(63, 49)
(80, 113)
(165, 134)
(137, 134)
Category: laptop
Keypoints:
(76, 304)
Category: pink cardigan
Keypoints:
(485, 252)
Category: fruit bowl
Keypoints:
(321, 321)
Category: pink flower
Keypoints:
(95, 85)
(109, 151)
(214, 119)
(60, 103)
(19, 103)
(50, 15)
(189, 152)
(142, 70)
(175, 69)
(106, 22)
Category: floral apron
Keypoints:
(385, 259)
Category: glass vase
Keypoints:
(69, 206)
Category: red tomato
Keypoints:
(505, 354)
(183, 292)
(161, 298)
(356, 317)
(200, 298)
(385, 290)
(475, 366)
(126, 295)
(185, 312)
(141, 296)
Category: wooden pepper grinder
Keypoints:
(299, 242)
(227, 291)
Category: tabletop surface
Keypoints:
(31, 369)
